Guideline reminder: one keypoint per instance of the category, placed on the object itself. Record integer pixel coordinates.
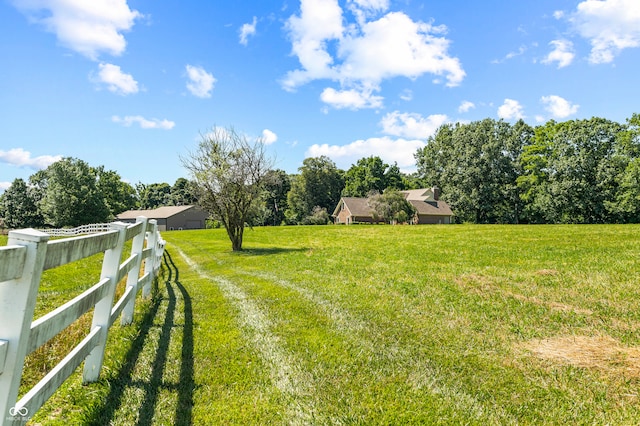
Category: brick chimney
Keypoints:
(436, 193)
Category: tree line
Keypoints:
(578, 171)
(71, 193)
(489, 171)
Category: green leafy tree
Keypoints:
(229, 173)
(394, 178)
(412, 181)
(391, 206)
(71, 196)
(477, 166)
(367, 175)
(624, 170)
(118, 195)
(536, 174)
(182, 193)
(277, 185)
(18, 207)
(154, 195)
(319, 183)
(570, 171)
(371, 174)
(626, 206)
(297, 204)
(318, 216)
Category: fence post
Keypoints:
(149, 263)
(134, 275)
(102, 311)
(17, 304)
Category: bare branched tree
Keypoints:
(229, 172)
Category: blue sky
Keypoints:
(132, 85)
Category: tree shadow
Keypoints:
(154, 384)
(266, 251)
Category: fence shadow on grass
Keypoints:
(155, 384)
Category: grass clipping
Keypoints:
(601, 353)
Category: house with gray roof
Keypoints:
(430, 209)
(170, 217)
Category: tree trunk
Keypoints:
(235, 235)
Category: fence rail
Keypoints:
(27, 254)
(92, 228)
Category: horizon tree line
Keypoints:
(489, 171)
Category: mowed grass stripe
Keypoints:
(286, 373)
(380, 358)
(345, 353)
(423, 288)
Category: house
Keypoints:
(429, 208)
(170, 217)
(353, 210)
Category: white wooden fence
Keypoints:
(84, 229)
(27, 254)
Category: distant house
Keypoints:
(170, 217)
(429, 208)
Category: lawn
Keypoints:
(380, 325)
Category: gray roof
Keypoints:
(356, 206)
(431, 208)
(159, 213)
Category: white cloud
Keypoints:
(390, 150)
(558, 14)
(369, 5)
(319, 22)
(87, 27)
(510, 109)
(115, 80)
(368, 51)
(4, 186)
(406, 95)
(393, 46)
(268, 137)
(200, 82)
(562, 53)
(559, 107)
(466, 106)
(352, 99)
(144, 123)
(247, 30)
(521, 50)
(362, 9)
(609, 25)
(411, 125)
(21, 158)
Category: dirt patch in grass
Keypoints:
(601, 353)
(551, 272)
(554, 306)
(477, 284)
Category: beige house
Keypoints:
(429, 208)
(170, 217)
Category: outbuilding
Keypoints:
(170, 217)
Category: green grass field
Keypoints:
(379, 325)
